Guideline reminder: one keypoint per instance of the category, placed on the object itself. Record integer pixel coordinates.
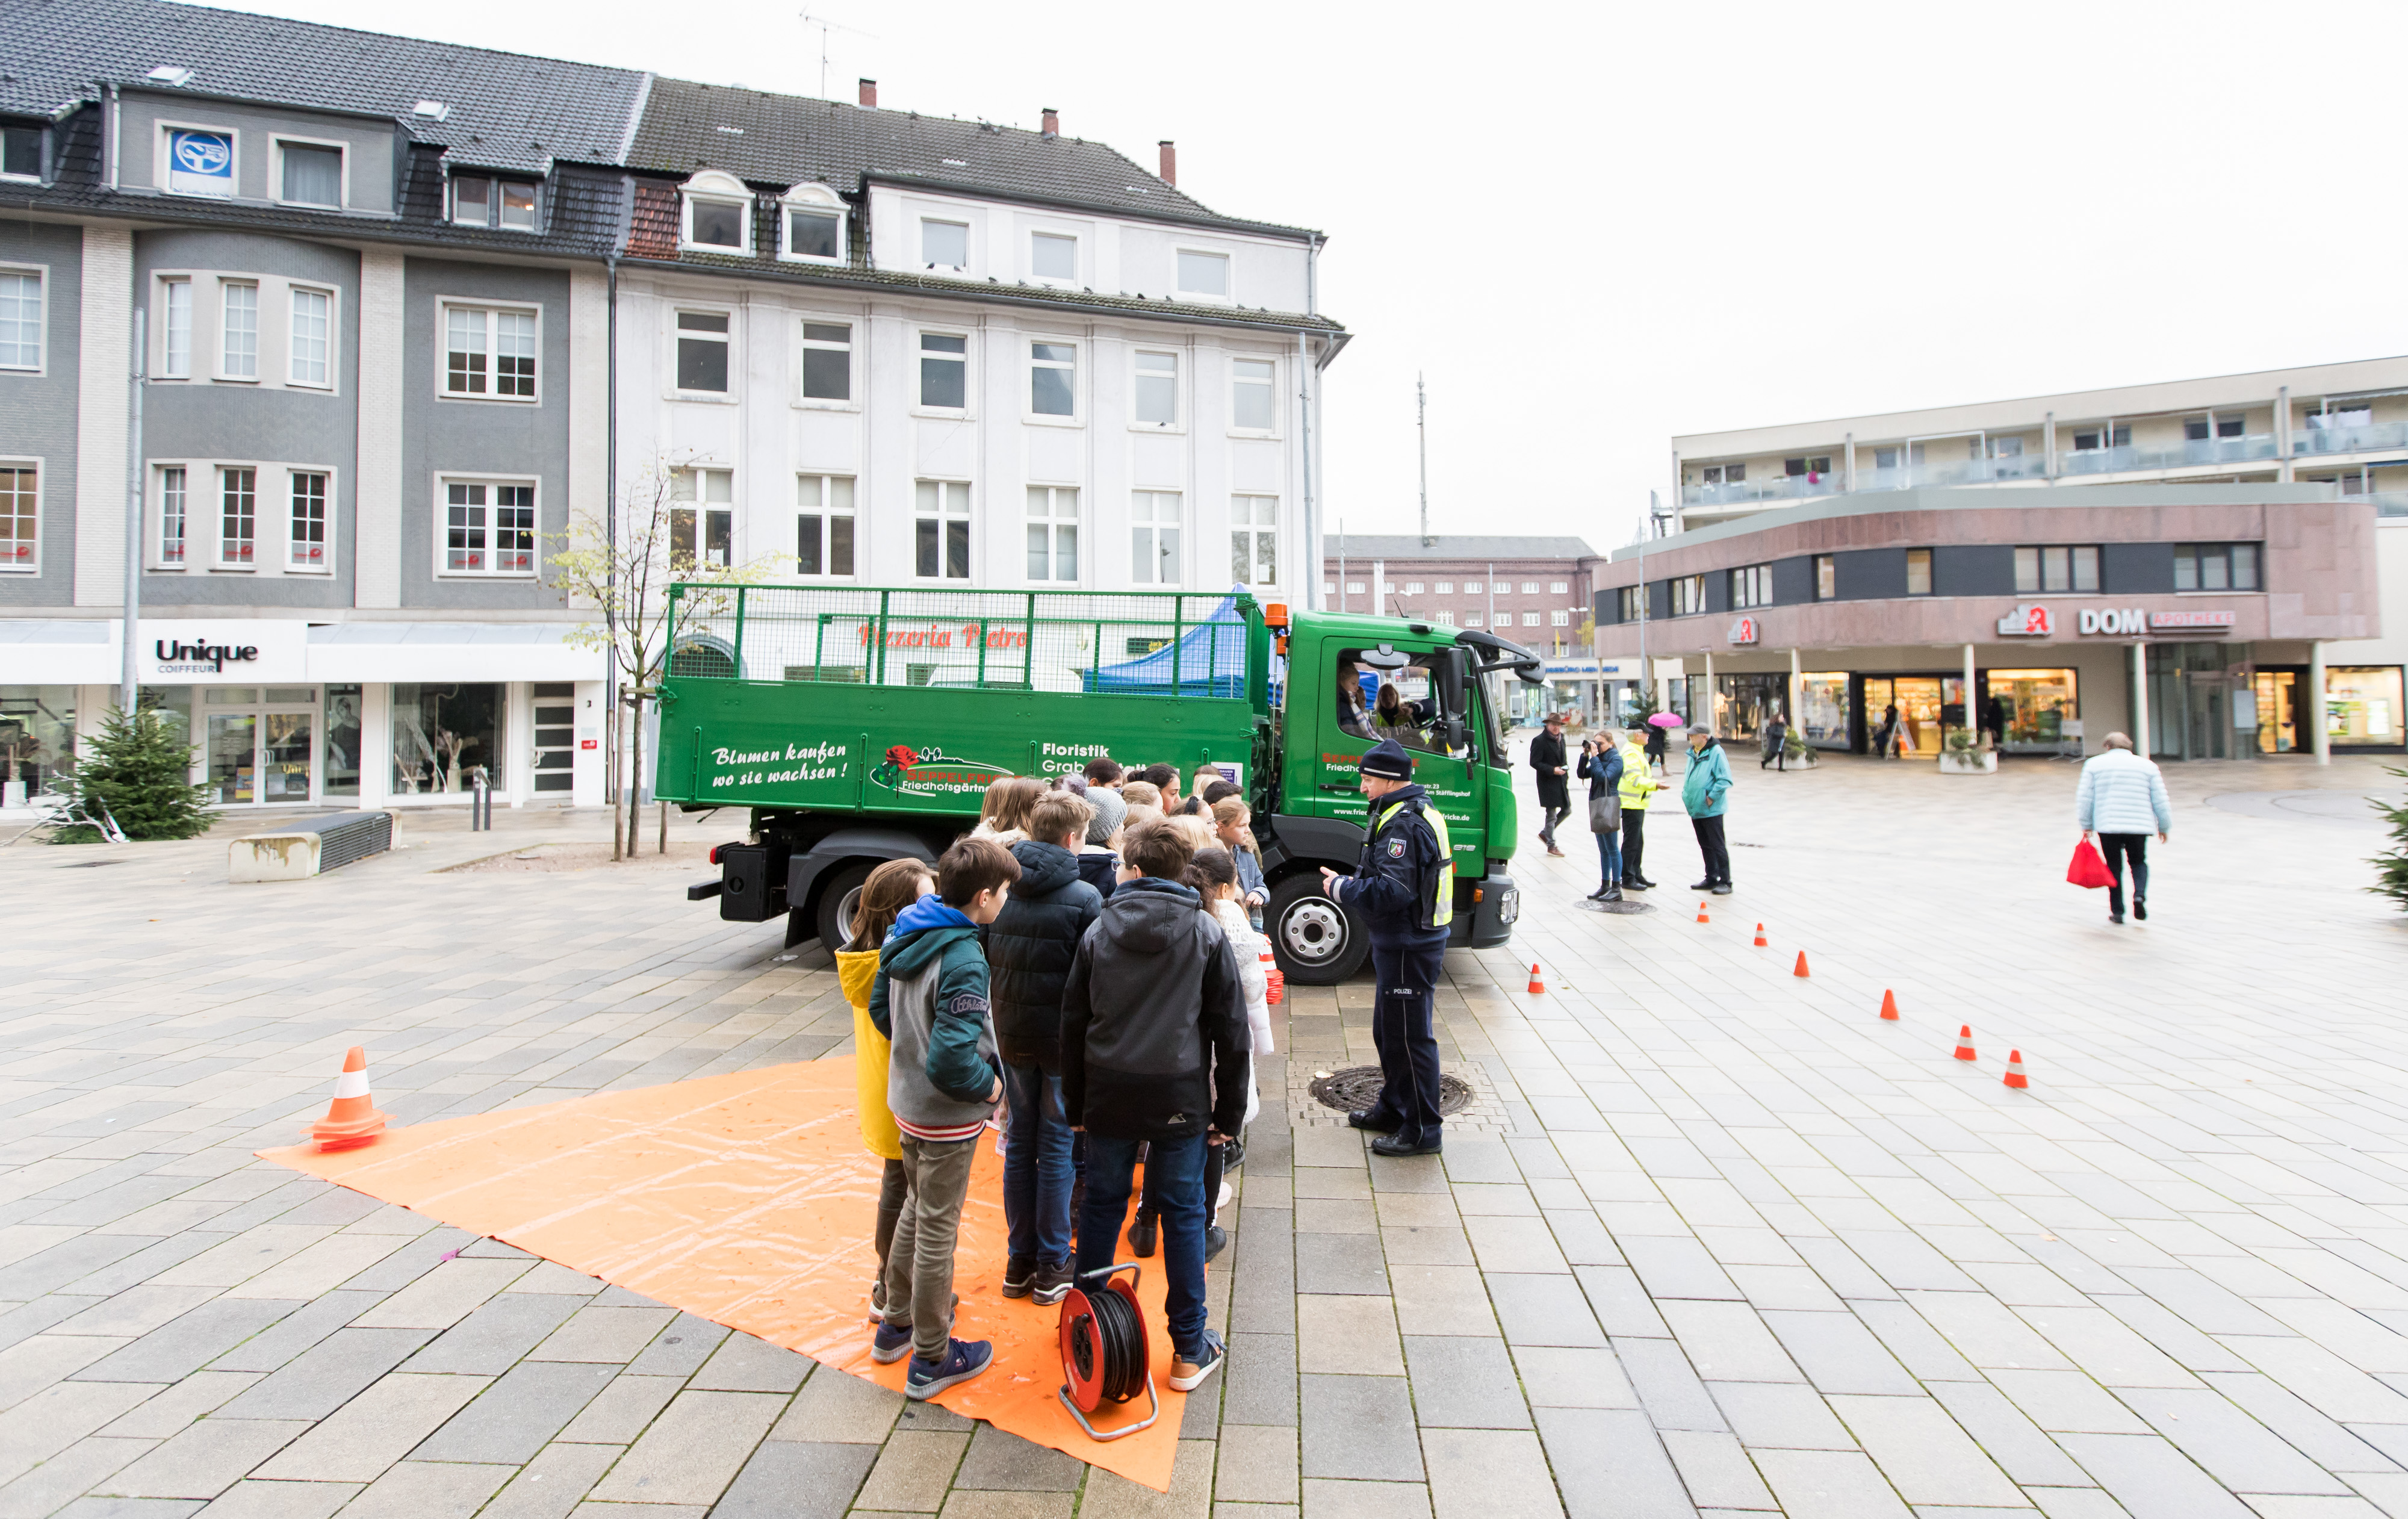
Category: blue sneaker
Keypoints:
(890, 1345)
(964, 1359)
(1188, 1368)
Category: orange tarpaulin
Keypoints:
(747, 1199)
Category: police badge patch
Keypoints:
(1396, 849)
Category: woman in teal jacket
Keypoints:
(1705, 790)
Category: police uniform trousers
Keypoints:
(1406, 965)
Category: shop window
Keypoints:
(940, 530)
(1826, 577)
(342, 770)
(2362, 706)
(1688, 594)
(2216, 566)
(1919, 572)
(21, 501)
(828, 360)
(1822, 715)
(37, 738)
(823, 525)
(443, 735)
(1751, 586)
(1253, 541)
(702, 516)
(2034, 708)
(2053, 568)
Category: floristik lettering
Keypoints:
(812, 761)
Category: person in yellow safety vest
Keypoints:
(1637, 783)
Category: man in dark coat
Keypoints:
(1554, 791)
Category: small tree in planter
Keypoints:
(1965, 753)
(1794, 749)
(141, 768)
(2391, 865)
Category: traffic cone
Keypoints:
(1890, 1004)
(1800, 970)
(352, 1119)
(1759, 935)
(1536, 984)
(1965, 1041)
(1274, 979)
(1701, 913)
(2015, 1070)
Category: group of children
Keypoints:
(1087, 963)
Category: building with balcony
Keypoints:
(1535, 590)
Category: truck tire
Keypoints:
(840, 893)
(1317, 941)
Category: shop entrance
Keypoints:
(257, 744)
(1919, 698)
(2275, 693)
(2200, 694)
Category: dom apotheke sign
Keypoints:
(253, 652)
(2131, 622)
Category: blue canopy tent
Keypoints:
(1209, 659)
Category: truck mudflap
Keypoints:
(1486, 910)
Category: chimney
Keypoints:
(869, 92)
(1053, 121)
(1170, 163)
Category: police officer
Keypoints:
(1403, 890)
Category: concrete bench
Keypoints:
(308, 847)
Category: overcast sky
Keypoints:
(1594, 226)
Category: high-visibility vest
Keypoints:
(1636, 782)
(1436, 888)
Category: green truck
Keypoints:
(860, 725)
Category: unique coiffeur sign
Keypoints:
(1743, 631)
(253, 652)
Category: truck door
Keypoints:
(1417, 696)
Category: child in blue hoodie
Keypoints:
(942, 1078)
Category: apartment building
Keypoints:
(1535, 590)
(2209, 562)
(382, 282)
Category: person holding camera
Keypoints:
(1601, 765)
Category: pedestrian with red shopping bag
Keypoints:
(2121, 799)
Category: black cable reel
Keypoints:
(1104, 1349)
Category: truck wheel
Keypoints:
(839, 895)
(1317, 942)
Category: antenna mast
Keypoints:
(826, 26)
(1421, 423)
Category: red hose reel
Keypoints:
(1103, 1353)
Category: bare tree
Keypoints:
(660, 531)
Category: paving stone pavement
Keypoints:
(1722, 1241)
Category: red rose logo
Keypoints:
(901, 754)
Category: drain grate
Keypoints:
(1357, 1087)
(1625, 906)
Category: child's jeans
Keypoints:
(1176, 1169)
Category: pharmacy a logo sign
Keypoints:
(200, 162)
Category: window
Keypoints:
(313, 330)
(1688, 594)
(1724, 474)
(945, 245)
(1446, 619)
(1472, 588)
(2333, 416)
(1054, 534)
(2055, 568)
(702, 516)
(2117, 435)
(1812, 468)
(1630, 603)
(239, 334)
(1413, 588)
(508, 204)
(2006, 448)
(1053, 380)
(2223, 424)
(1329, 588)
(1826, 577)
(1353, 588)
(702, 351)
(489, 529)
(1751, 587)
(1472, 619)
(312, 176)
(823, 525)
(20, 153)
(1446, 588)
(2216, 566)
(940, 530)
(1558, 587)
(1529, 618)
(173, 505)
(1158, 389)
(1053, 256)
(1154, 538)
(1204, 274)
(176, 329)
(238, 515)
(1919, 572)
(1253, 402)
(489, 352)
(814, 224)
(1253, 541)
(944, 370)
(1884, 458)
(21, 500)
(718, 213)
(828, 360)
(309, 520)
(1559, 618)
(1529, 588)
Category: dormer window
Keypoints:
(814, 225)
(20, 153)
(1204, 274)
(944, 245)
(478, 201)
(718, 214)
(310, 174)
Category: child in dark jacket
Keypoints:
(930, 998)
(1029, 949)
(1153, 1052)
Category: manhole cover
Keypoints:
(1624, 906)
(1357, 1087)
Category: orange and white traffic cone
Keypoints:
(1759, 935)
(353, 1118)
(1701, 913)
(2015, 1070)
(1536, 984)
(1965, 1041)
(1274, 979)
(1890, 1004)
(1800, 969)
